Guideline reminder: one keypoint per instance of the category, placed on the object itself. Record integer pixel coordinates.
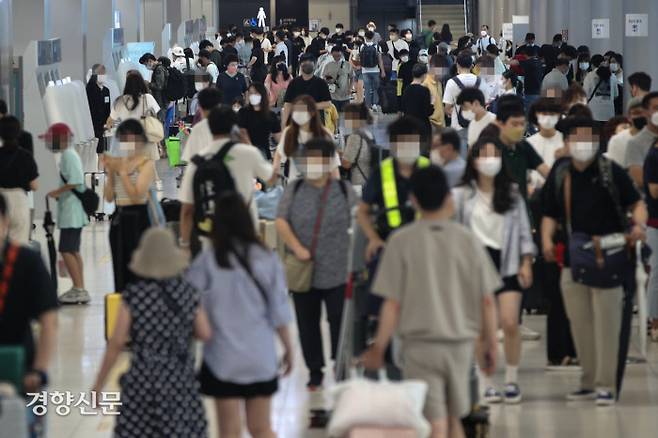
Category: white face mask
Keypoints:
(436, 158)
(407, 153)
(296, 34)
(371, 29)
(101, 79)
(547, 122)
(255, 99)
(468, 115)
(236, 109)
(489, 166)
(654, 119)
(584, 65)
(362, 33)
(614, 67)
(483, 33)
(583, 151)
(301, 117)
(404, 58)
(423, 59)
(198, 86)
(338, 30)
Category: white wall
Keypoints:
(330, 12)
(99, 22)
(28, 23)
(152, 24)
(65, 22)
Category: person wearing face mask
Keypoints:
(257, 61)
(128, 182)
(158, 84)
(529, 43)
(395, 45)
(601, 88)
(318, 46)
(616, 60)
(376, 37)
(484, 40)
(651, 196)
(414, 47)
(519, 156)
(276, 83)
(208, 66)
(313, 220)
(583, 68)
(471, 101)
(417, 101)
(639, 146)
(446, 154)
(338, 74)
(231, 83)
(257, 123)
(304, 124)
(618, 143)
(434, 83)
(355, 60)
(338, 38)
(98, 97)
(548, 142)
(576, 197)
(489, 203)
(386, 193)
(307, 84)
(298, 47)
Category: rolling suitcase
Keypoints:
(112, 304)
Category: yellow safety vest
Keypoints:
(390, 190)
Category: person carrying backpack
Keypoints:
(223, 165)
(590, 196)
(372, 68)
(158, 84)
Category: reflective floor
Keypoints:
(543, 413)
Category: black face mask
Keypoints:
(308, 68)
(639, 122)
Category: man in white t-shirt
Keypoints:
(485, 40)
(454, 87)
(201, 138)
(545, 113)
(245, 163)
(208, 65)
(472, 104)
(266, 45)
(395, 45)
(619, 142)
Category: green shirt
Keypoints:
(518, 161)
(70, 213)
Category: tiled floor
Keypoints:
(543, 413)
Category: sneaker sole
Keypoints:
(604, 404)
(563, 369)
(493, 401)
(579, 399)
(513, 400)
(73, 303)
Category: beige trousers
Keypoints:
(18, 213)
(595, 318)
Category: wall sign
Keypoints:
(637, 25)
(601, 28)
(508, 31)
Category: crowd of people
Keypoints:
(524, 162)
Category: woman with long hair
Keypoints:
(129, 179)
(446, 35)
(18, 175)
(313, 220)
(257, 123)
(134, 103)
(243, 289)
(488, 203)
(303, 125)
(277, 81)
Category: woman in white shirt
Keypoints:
(548, 142)
(303, 125)
(134, 104)
(491, 206)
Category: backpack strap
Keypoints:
(478, 81)
(459, 83)
(224, 151)
(608, 182)
(595, 90)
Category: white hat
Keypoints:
(177, 51)
(157, 256)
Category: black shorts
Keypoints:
(213, 387)
(69, 240)
(511, 283)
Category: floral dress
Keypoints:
(160, 393)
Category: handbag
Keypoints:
(597, 261)
(299, 273)
(88, 198)
(152, 126)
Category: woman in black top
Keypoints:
(18, 175)
(98, 96)
(446, 35)
(257, 122)
(417, 101)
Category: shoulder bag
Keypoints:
(88, 198)
(597, 261)
(299, 273)
(152, 126)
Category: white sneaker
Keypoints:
(75, 296)
(529, 334)
(491, 396)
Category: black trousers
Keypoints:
(126, 230)
(308, 309)
(559, 343)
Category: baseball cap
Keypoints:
(57, 130)
(178, 51)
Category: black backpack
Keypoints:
(369, 56)
(176, 85)
(188, 77)
(212, 177)
(462, 121)
(88, 198)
